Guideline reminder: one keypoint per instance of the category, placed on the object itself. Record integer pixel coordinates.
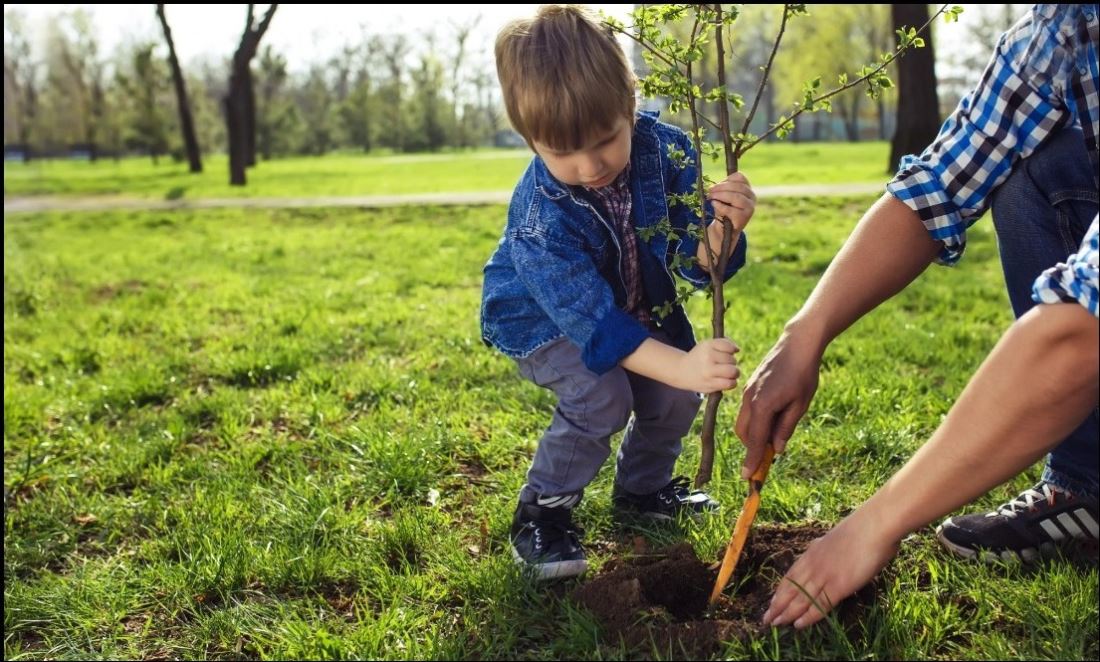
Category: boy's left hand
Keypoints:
(733, 199)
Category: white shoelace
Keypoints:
(1026, 500)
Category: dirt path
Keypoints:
(100, 203)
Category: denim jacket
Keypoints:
(556, 270)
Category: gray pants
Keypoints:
(593, 407)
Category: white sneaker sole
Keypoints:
(550, 571)
(1027, 555)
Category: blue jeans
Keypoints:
(1041, 213)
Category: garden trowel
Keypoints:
(744, 522)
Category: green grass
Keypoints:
(489, 170)
(276, 434)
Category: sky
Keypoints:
(304, 33)
(307, 34)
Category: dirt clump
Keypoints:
(657, 602)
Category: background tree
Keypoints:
(240, 101)
(183, 104)
(316, 106)
(276, 114)
(75, 78)
(485, 113)
(918, 103)
(207, 80)
(21, 82)
(459, 118)
(427, 102)
(378, 90)
(354, 111)
(143, 87)
(394, 50)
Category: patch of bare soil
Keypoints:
(658, 601)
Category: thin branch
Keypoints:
(710, 415)
(893, 56)
(723, 103)
(649, 47)
(763, 79)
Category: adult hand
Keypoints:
(778, 394)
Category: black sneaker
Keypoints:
(664, 504)
(544, 539)
(1032, 524)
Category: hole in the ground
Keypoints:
(659, 601)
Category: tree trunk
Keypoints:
(850, 114)
(249, 117)
(769, 110)
(240, 106)
(183, 104)
(881, 118)
(918, 104)
(235, 124)
(25, 138)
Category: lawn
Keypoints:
(352, 175)
(276, 434)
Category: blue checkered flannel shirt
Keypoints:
(1043, 77)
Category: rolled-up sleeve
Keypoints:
(1016, 107)
(1076, 279)
(564, 281)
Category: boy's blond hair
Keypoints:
(564, 77)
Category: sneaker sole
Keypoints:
(550, 571)
(626, 515)
(1027, 555)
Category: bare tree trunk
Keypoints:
(850, 113)
(25, 124)
(769, 107)
(249, 117)
(234, 118)
(461, 33)
(881, 118)
(918, 104)
(183, 103)
(239, 101)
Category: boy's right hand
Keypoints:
(710, 366)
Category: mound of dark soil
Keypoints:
(659, 600)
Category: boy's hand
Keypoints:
(733, 199)
(710, 366)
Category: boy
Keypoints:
(570, 291)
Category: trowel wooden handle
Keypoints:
(744, 523)
(758, 477)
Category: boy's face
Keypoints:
(597, 164)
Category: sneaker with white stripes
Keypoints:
(1034, 523)
(544, 539)
(667, 503)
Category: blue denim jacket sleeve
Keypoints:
(681, 217)
(563, 279)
